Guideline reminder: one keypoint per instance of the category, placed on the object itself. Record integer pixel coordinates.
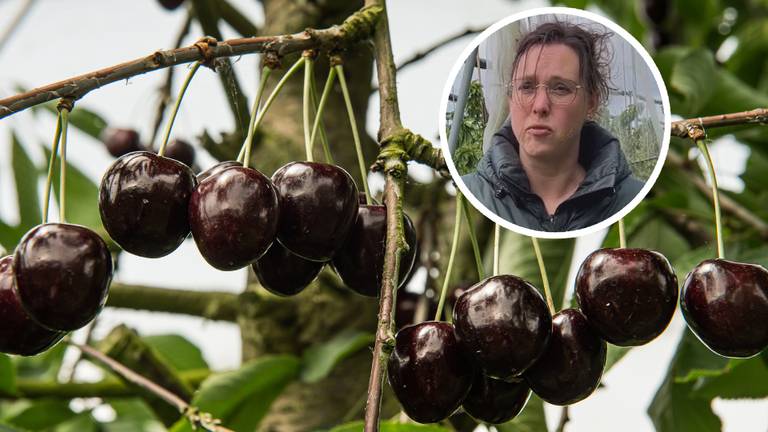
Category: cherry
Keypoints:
(19, 334)
(284, 273)
(318, 206)
(181, 151)
(170, 4)
(628, 295)
(221, 166)
(428, 371)
(496, 401)
(360, 261)
(571, 367)
(120, 142)
(143, 203)
(233, 216)
(63, 274)
(725, 303)
(504, 322)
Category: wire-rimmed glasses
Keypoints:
(560, 91)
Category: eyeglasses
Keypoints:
(560, 91)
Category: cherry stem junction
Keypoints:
(245, 152)
(544, 279)
(473, 239)
(63, 165)
(715, 197)
(308, 71)
(355, 134)
(319, 115)
(452, 256)
(622, 235)
(176, 106)
(51, 164)
(496, 248)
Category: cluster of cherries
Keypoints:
(504, 343)
(287, 227)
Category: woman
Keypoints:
(550, 168)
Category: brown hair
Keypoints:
(592, 48)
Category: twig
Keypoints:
(355, 28)
(213, 305)
(756, 116)
(564, 418)
(16, 21)
(439, 44)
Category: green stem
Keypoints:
(51, 164)
(176, 106)
(323, 136)
(473, 239)
(622, 234)
(454, 246)
(246, 150)
(319, 116)
(355, 134)
(63, 166)
(308, 71)
(271, 98)
(715, 197)
(496, 248)
(544, 279)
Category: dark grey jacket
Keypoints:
(501, 184)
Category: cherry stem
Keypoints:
(63, 165)
(355, 135)
(308, 71)
(176, 106)
(271, 98)
(204, 420)
(51, 164)
(319, 121)
(245, 152)
(715, 197)
(622, 235)
(454, 246)
(496, 248)
(544, 279)
(473, 239)
(319, 116)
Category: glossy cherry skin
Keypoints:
(120, 142)
(284, 273)
(725, 303)
(628, 295)
(503, 321)
(360, 261)
(181, 151)
(428, 371)
(143, 203)
(233, 216)
(221, 166)
(19, 334)
(495, 401)
(318, 206)
(571, 367)
(63, 274)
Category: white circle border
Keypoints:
(664, 141)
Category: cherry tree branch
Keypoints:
(681, 128)
(355, 28)
(213, 305)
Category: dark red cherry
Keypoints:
(63, 274)
(221, 166)
(19, 334)
(725, 303)
(360, 261)
(143, 203)
(170, 4)
(284, 273)
(233, 216)
(571, 367)
(181, 151)
(318, 206)
(628, 295)
(428, 371)
(495, 401)
(504, 323)
(120, 142)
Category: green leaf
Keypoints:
(132, 415)
(178, 351)
(241, 398)
(390, 426)
(81, 118)
(614, 354)
(83, 422)
(41, 414)
(531, 419)
(9, 237)
(742, 379)
(320, 359)
(26, 179)
(7, 375)
(44, 366)
(690, 82)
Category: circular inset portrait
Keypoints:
(556, 122)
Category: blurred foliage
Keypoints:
(469, 148)
(637, 136)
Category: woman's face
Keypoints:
(548, 128)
